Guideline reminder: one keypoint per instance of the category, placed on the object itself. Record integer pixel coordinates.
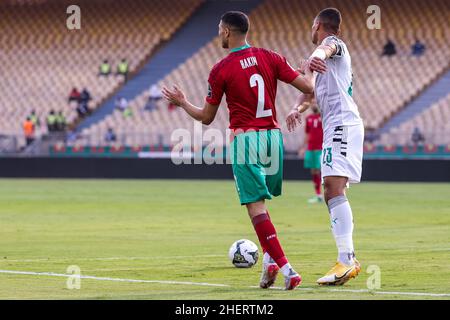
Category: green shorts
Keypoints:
(312, 159)
(257, 161)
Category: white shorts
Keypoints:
(342, 152)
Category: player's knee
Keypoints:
(330, 194)
(332, 190)
(256, 208)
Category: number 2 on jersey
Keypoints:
(257, 80)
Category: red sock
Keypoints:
(317, 183)
(263, 245)
(268, 239)
(264, 248)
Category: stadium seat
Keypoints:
(433, 123)
(382, 85)
(42, 60)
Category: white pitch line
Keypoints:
(113, 258)
(205, 284)
(369, 291)
(51, 274)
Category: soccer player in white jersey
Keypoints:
(343, 138)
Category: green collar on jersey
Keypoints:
(245, 46)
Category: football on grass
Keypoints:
(243, 253)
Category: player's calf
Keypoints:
(334, 187)
(269, 240)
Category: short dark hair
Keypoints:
(237, 20)
(331, 19)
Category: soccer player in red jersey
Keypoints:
(313, 152)
(248, 77)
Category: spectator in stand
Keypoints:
(154, 95)
(83, 109)
(418, 48)
(389, 49)
(51, 121)
(122, 69)
(370, 135)
(61, 122)
(28, 130)
(35, 119)
(105, 68)
(127, 113)
(74, 95)
(85, 96)
(110, 135)
(417, 137)
(121, 103)
(83, 104)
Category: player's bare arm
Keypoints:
(205, 115)
(303, 65)
(302, 104)
(304, 82)
(305, 98)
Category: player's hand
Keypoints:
(301, 151)
(175, 96)
(304, 63)
(317, 64)
(293, 119)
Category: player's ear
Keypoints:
(318, 25)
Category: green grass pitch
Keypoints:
(181, 231)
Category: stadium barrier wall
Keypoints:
(134, 168)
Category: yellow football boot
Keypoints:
(340, 274)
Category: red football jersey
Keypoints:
(248, 78)
(314, 129)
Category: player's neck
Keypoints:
(325, 35)
(238, 45)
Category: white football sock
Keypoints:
(267, 258)
(342, 227)
(287, 270)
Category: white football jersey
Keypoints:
(334, 89)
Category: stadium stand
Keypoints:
(42, 60)
(433, 123)
(435, 92)
(382, 85)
